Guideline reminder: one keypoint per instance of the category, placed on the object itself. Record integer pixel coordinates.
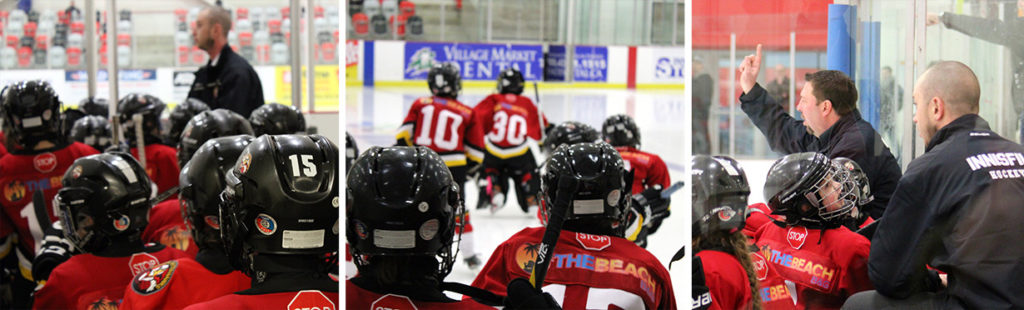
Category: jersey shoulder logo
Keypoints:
(312, 299)
(760, 266)
(526, 256)
(796, 236)
(45, 162)
(142, 262)
(14, 191)
(593, 242)
(155, 279)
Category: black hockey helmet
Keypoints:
(201, 183)
(281, 197)
(149, 107)
(180, 115)
(92, 130)
(105, 198)
(444, 80)
(402, 189)
(510, 81)
(864, 195)
(720, 192)
(277, 119)
(95, 106)
(620, 130)
(813, 180)
(602, 195)
(351, 151)
(208, 125)
(570, 132)
(31, 112)
(69, 117)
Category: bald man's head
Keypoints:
(217, 16)
(955, 84)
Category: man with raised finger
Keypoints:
(831, 125)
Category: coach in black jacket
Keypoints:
(959, 209)
(832, 126)
(227, 81)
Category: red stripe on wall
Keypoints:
(631, 69)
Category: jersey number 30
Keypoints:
(515, 125)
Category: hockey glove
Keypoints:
(54, 251)
(522, 295)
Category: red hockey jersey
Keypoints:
(648, 169)
(586, 271)
(88, 281)
(806, 268)
(179, 283)
(310, 299)
(759, 215)
(168, 228)
(505, 123)
(359, 298)
(20, 177)
(727, 280)
(161, 166)
(445, 126)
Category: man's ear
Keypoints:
(937, 107)
(826, 107)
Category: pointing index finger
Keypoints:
(757, 58)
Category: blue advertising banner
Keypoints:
(554, 63)
(591, 64)
(101, 75)
(476, 61)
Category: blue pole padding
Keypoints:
(841, 38)
(368, 63)
(870, 64)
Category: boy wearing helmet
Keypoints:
(277, 119)
(160, 162)
(39, 155)
(104, 206)
(510, 131)
(812, 260)
(592, 265)
(402, 229)
(279, 224)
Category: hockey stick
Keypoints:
(139, 139)
(566, 192)
(672, 189)
(540, 113)
(39, 205)
(165, 194)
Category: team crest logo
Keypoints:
(421, 61)
(155, 279)
(760, 265)
(212, 221)
(796, 236)
(724, 213)
(361, 230)
(122, 223)
(526, 256)
(593, 242)
(45, 162)
(848, 166)
(76, 172)
(14, 191)
(244, 165)
(266, 224)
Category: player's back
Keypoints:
(161, 165)
(309, 299)
(22, 175)
(727, 280)
(360, 298)
(440, 124)
(168, 228)
(87, 279)
(179, 283)
(507, 122)
(586, 271)
(648, 169)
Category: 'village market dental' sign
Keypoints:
(476, 61)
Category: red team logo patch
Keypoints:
(244, 165)
(155, 279)
(122, 223)
(760, 265)
(265, 224)
(593, 242)
(45, 162)
(142, 262)
(796, 236)
(390, 301)
(317, 300)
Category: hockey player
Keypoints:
(509, 127)
(104, 206)
(182, 113)
(39, 155)
(445, 125)
(394, 190)
(166, 225)
(650, 174)
(277, 119)
(592, 265)
(812, 260)
(179, 283)
(92, 130)
(570, 132)
(721, 255)
(279, 223)
(161, 160)
(95, 106)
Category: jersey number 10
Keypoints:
(447, 122)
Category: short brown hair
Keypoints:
(834, 86)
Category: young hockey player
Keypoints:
(650, 174)
(161, 160)
(812, 260)
(104, 206)
(92, 130)
(857, 219)
(179, 283)
(510, 132)
(279, 221)
(392, 191)
(721, 254)
(592, 265)
(277, 119)
(182, 113)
